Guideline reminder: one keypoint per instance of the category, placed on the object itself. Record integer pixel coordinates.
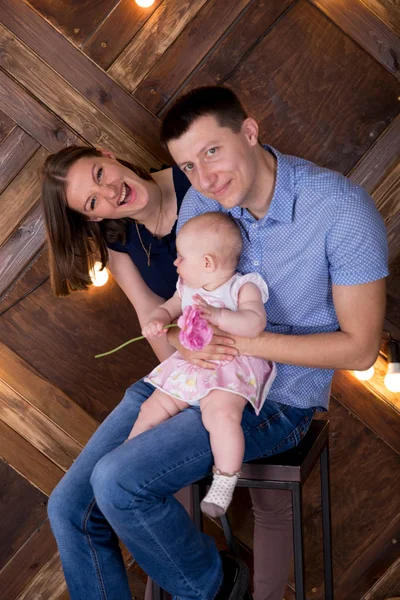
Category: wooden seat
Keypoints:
(286, 471)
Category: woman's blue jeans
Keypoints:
(125, 490)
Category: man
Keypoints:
(318, 241)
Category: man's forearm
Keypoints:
(332, 350)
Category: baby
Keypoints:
(209, 248)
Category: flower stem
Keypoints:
(141, 337)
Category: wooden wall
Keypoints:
(322, 79)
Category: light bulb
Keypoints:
(144, 3)
(365, 375)
(392, 377)
(99, 277)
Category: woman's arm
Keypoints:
(143, 300)
(250, 318)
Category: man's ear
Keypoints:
(96, 219)
(250, 129)
(106, 153)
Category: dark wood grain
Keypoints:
(45, 127)
(371, 565)
(116, 31)
(156, 35)
(45, 397)
(369, 405)
(292, 94)
(21, 195)
(6, 125)
(21, 248)
(28, 461)
(354, 17)
(15, 151)
(61, 98)
(387, 194)
(49, 582)
(176, 64)
(76, 20)
(387, 11)
(17, 497)
(72, 331)
(27, 562)
(393, 233)
(379, 159)
(82, 74)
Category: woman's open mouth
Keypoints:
(126, 195)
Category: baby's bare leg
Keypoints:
(222, 417)
(157, 408)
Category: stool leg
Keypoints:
(157, 592)
(197, 514)
(326, 523)
(230, 540)
(298, 541)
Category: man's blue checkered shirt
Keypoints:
(320, 229)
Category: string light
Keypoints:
(98, 275)
(365, 375)
(392, 378)
(144, 3)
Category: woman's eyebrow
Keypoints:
(93, 177)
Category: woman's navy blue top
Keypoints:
(160, 276)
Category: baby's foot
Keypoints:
(215, 503)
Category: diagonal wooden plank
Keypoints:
(61, 98)
(387, 194)
(360, 23)
(388, 11)
(45, 396)
(15, 151)
(48, 584)
(116, 31)
(91, 81)
(22, 193)
(385, 152)
(6, 125)
(27, 561)
(31, 424)
(156, 35)
(28, 462)
(31, 116)
(176, 64)
(21, 248)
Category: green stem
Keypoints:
(141, 337)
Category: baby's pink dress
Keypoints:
(248, 376)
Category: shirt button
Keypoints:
(255, 263)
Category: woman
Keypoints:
(98, 207)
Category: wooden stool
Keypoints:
(286, 471)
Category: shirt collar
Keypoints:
(281, 207)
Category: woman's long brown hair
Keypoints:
(75, 243)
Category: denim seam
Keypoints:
(92, 549)
(150, 533)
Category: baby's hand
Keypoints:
(211, 313)
(153, 330)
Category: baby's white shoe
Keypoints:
(215, 503)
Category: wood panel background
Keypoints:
(322, 79)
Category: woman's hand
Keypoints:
(220, 348)
(154, 330)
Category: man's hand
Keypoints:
(211, 313)
(220, 348)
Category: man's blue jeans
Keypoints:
(126, 490)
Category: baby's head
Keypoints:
(209, 248)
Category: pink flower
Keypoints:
(195, 332)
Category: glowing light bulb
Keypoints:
(392, 377)
(99, 277)
(144, 3)
(365, 375)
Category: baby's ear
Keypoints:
(96, 219)
(209, 263)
